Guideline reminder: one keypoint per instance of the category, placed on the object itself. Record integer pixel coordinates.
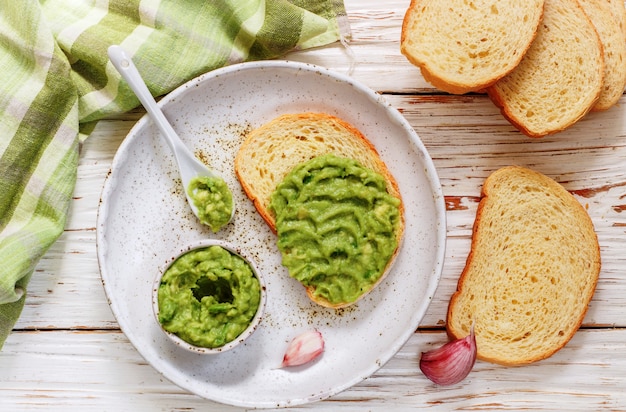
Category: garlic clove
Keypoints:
(303, 348)
(452, 362)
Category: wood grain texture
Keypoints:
(78, 371)
(67, 352)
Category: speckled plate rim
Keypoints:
(439, 216)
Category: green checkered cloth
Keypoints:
(56, 83)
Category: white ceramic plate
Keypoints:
(144, 220)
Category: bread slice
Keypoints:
(607, 21)
(465, 46)
(531, 271)
(560, 77)
(271, 151)
(619, 11)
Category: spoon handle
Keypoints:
(129, 72)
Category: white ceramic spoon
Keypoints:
(188, 165)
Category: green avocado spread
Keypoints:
(213, 199)
(208, 297)
(336, 226)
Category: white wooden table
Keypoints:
(67, 352)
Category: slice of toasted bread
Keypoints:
(271, 151)
(462, 46)
(531, 271)
(607, 21)
(560, 77)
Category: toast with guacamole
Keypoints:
(322, 187)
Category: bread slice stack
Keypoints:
(531, 271)
(608, 20)
(272, 150)
(574, 62)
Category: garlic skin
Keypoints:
(452, 362)
(303, 349)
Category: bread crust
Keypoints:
(272, 150)
(506, 327)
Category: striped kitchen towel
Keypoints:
(56, 83)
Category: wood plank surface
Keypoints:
(79, 371)
(67, 352)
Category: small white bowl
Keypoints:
(254, 323)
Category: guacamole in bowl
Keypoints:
(209, 298)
